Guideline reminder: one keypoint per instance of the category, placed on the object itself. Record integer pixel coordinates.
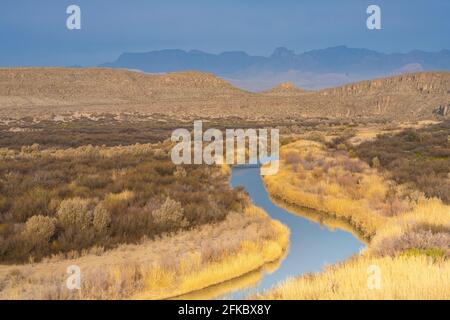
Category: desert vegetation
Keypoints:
(55, 201)
(70, 131)
(403, 277)
(93, 195)
(167, 266)
(73, 130)
(86, 179)
(420, 158)
(406, 224)
(137, 225)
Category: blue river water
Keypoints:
(312, 245)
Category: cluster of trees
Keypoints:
(63, 200)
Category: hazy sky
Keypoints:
(33, 32)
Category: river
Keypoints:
(312, 245)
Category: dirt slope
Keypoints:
(44, 92)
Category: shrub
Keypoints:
(420, 240)
(180, 172)
(101, 219)
(419, 157)
(75, 213)
(292, 157)
(170, 214)
(117, 203)
(131, 182)
(375, 162)
(33, 202)
(316, 136)
(39, 229)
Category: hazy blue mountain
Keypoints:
(178, 60)
(312, 69)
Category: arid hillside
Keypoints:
(47, 92)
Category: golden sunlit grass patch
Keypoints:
(334, 191)
(413, 277)
(409, 237)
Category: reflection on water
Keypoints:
(313, 244)
(248, 280)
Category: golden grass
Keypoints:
(306, 188)
(407, 275)
(428, 214)
(400, 278)
(195, 276)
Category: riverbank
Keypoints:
(402, 277)
(407, 236)
(157, 269)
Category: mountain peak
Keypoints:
(282, 52)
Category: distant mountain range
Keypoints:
(314, 69)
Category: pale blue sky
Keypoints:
(34, 32)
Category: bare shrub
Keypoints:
(170, 214)
(39, 229)
(292, 157)
(131, 183)
(101, 219)
(353, 165)
(347, 180)
(308, 162)
(414, 239)
(117, 203)
(419, 157)
(180, 172)
(315, 136)
(395, 206)
(33, 202)
(75, 213)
